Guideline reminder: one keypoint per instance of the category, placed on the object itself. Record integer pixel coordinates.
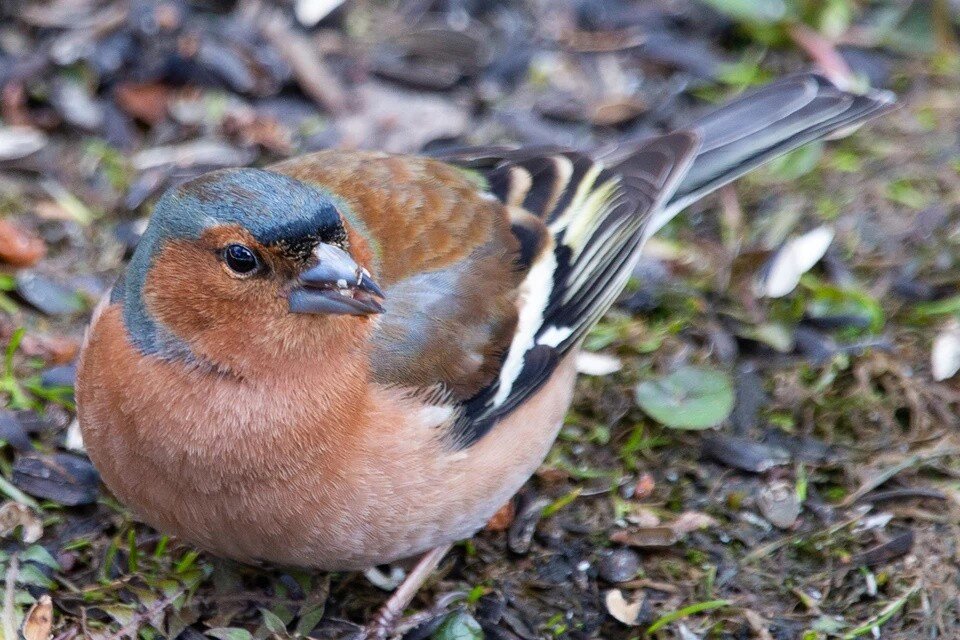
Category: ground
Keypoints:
(823, 504)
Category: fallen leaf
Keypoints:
(13, 515)
(688, 398)
(20, 142)
(459, 625)
(145, 101)
(503, 518)
(945, 354)
(622, 610)
(782, 273)
(400, 121)
(19, 247)
(597, 364)
(644, 487)
(779, 504)
(310, 12)
(647, 537)
(690, 521)
(67, 479)
(38, 622)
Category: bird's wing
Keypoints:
(594, 217)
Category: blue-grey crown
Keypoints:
(274, 208)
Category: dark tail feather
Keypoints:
(764, 124)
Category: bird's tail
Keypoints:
(761, 125)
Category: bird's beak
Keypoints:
(336, 284)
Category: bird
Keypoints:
(351, 357)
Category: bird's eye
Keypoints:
(240, 259)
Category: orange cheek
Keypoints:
(190, 292)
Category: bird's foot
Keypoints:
(389, 624)
(385, 622)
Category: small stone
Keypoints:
(619, 565)
(644, 487)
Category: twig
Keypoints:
(131, 628)
(883, 475)
(308, 66)
(824, 54)
(9, 623)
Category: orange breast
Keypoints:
(301, 468)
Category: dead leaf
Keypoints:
(690, 521)
(400, 121)
(38, 622)
(757, 624)
(145, 101)
(19, 247)
(503, 518)
(945, 354)
(779, 504)
(19, 142)
(13, 515)
(310, 12)
(647, 537)
(623, 611)
(782, 273)
(644, 487)
(597, 364)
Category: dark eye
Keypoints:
(241, 259)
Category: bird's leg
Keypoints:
(387, 616)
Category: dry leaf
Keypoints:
(624, 611)
(797, 256)
(310, 12)
(19, 142)
(644, 487)
(779, 504)
(39, 620)
(13, 515)
(597, 364)
(503, 518)
(19, 247)
(690, 521)
(945, 354)
(647, 537)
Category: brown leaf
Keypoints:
(645, 537)
(503, 518)
(145, 101)
(19, 247)
(690, 521)
(39, 620)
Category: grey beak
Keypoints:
(336, 284)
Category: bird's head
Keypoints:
(242, 264)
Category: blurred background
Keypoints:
(764, 444)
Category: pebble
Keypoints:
(619, 565)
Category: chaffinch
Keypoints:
(354, 357)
